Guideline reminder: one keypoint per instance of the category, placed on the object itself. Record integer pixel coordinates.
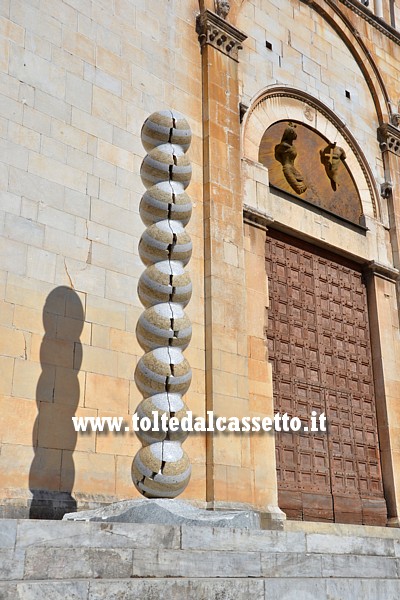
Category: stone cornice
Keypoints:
(383, 271)
(218, 33)
(255, 217)
(389, 138)
(373, 20)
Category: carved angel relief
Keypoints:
(286, 154)
(304, 163)
(332, 157)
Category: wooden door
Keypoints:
(319, 346)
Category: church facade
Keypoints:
(294, 110)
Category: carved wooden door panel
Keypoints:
(319, 347)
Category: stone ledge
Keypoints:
(342, 529)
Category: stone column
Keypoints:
(385, 339)
(232, 472)
(229, 471)
(261, 399)
(384, 288)
(378, 8)
(389, 141)
(240, 467)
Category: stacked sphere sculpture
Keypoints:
(161, 468)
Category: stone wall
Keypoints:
(78, 78)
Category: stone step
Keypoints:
(203, 589)
(121, 561)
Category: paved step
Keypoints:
(42, 560)
(203, 589)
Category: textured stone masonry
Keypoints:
(91, 561)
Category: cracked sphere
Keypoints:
(165, 281)
(163, 370)
(166, 126)
(166, 163)
(170, 405)
(161, 470)
(165, 200)
(164, 324)
(165, 240)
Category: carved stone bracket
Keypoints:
(243, 108)
(386, 189)
(219, 34)
(389, 138)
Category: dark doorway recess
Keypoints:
(319, 347)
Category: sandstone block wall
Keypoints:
(77, 81)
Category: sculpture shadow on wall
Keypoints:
(52, 472)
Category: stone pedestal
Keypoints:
(168, 512)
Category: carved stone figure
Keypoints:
(222, 8)
(286, 154)
(396, 119)
(332, 157)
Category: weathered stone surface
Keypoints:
(8, 533)
(190, 589)
(111, 564)
(192, 563)
(359, 566)
(336, 544)
(242, 540)
(371, 589)
(167, 512)
(203, 589)
(11, 564)
(8, 591)
(77, 563)
(397, 547)
(57, 563)
(45, 590)
(78, 534)
(291, 564)
(298, 589)
(342, 530)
